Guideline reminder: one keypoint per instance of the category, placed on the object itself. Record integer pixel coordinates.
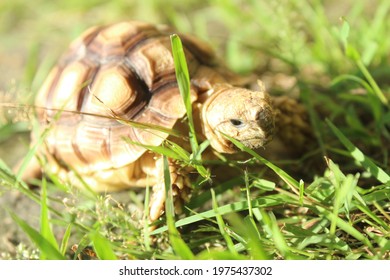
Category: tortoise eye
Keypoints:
(237, 123)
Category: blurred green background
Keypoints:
(247, 34)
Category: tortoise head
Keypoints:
(242, 114)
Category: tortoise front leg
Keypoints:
(33, 170)
(180, 187)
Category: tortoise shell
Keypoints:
(124, 70)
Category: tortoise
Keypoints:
(127, 70)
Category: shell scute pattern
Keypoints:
(124, 70)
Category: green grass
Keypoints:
(331, 202)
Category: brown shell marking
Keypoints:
(124, 70)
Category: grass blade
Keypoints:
(281, 173)
(279, 240)
(46, 230)
(102, 246)
(65, 239)
(163, 150)
(42, 243)
(374, 217)
(178, 245)
(146, 228)
(9, 179)
(352, 53)
(183, 80)
(268, 201)
(222, 226)
(250, 234)
(358, 155)
(345, 226)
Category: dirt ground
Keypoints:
(13, 241)
(11, 236)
